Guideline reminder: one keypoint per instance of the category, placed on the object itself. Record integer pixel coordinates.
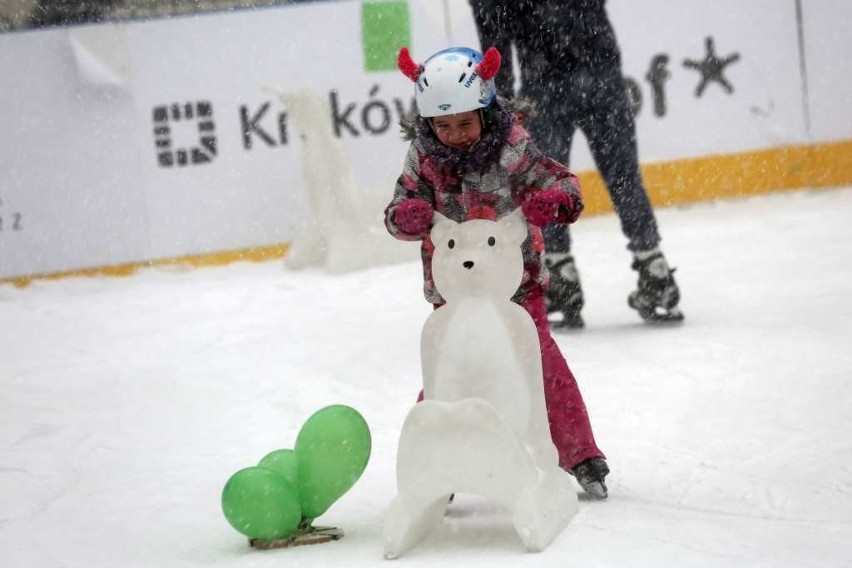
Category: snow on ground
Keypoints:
(127, 403)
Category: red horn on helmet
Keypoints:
(490, 64)
(407, 65)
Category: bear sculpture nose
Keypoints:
(468, 264)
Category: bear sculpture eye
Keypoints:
(452, 243)
(491, 241)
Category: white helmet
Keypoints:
(451, 81)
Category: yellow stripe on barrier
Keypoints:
(668, 183)
(254, 254)
(733, 175)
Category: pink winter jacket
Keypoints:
(488, 180)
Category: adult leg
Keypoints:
(553, 130)
(609, 127)
(611, 132)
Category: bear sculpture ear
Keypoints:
(441, 225)
(439, 218)
(516, 225)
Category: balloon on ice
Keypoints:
(282, 462)
(260, 503)
(482, 426)
(332, 451)
(275, 503)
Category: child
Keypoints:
(469, 158)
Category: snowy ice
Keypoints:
(126, 403)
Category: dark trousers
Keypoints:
(597, 104)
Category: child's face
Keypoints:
(458, 131)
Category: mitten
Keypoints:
(413, 216)
(543, 207)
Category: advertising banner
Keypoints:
(145, 140)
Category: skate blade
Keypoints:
(566, 323)
(662, 316)
(596, 490)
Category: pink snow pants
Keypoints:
(569, 422)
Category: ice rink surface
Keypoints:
(126, 403)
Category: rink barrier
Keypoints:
(677, 182)
(220, 258)
(726, 176)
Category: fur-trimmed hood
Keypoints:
(497, 120)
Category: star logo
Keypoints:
(712, 68)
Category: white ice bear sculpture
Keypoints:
(482, 427)
(344, 227)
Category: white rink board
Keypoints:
(765, 107)
(81, 185)
(828, 45)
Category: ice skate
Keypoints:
(590, 474)
(657, 295)
(564, 296)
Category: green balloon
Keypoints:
(332, 450)
(282, 462)
(260, 503)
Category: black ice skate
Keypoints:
(564, 295)
(657, 295)
(590, 475)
